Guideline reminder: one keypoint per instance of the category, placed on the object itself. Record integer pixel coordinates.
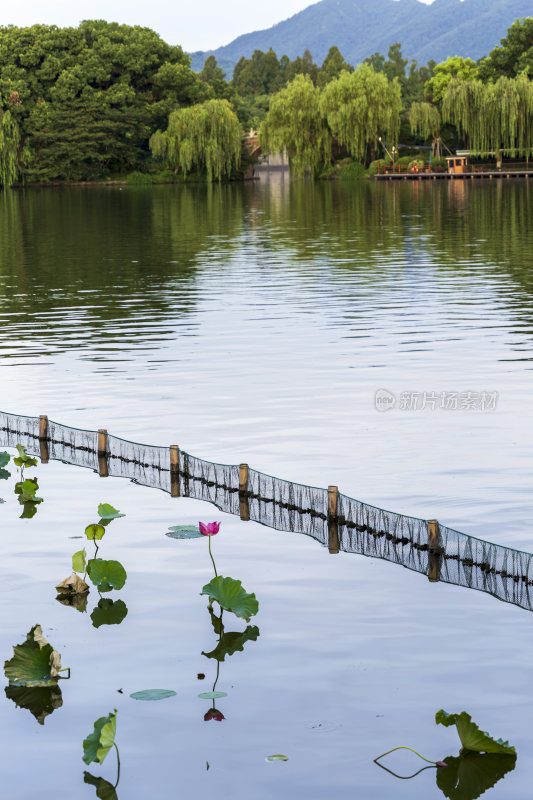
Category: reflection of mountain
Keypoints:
(104, 265)
(40, 700)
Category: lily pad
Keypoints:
(98, 744)
(212, 695)
(153, 694)
(104, 789)
(72, 585)
(4, 474)
(231, 596)
(79, 561)
(278, 757)
(109, 612)
(468, 776)
(232, 642)
(4, 458)
(184, 532)
(106, 575)
(35, 662)
(95, 531)
(472, 738)
(41, 701)
(106, 511)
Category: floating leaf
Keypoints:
(23, 459)
(4, 458)
(98, 743)
(470, 735)
(72, 585)
(153, 694)
(34, 662)
(109, 612)
(277, 757)
(232, 642)
(212, 695)
(41, 701)
(468, 776)
(184, 532)
(27, 490)
(106, 575)
(93, 532)
(106, 511)
(104, 789)
(4, 474)
(230, 595)
(79, 561)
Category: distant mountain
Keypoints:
(362, 27)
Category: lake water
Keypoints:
(256, 323)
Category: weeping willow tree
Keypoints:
(492, 116)
(360, 107)
(205, 137)
(295, 124)
(11, 154)
(424, 119)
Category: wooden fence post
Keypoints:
(174, 470)
(434, 558)
(333, 525)
(243, 487)
(103, 470)
(43, 438)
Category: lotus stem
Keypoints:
(211, 554)
(118, 764)
(403, 747)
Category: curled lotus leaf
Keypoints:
(98, 743)
(472, 738)
(41, 701)
(106, 511)
(104, 789)
(72, 585)
(79, 561)
(35, 662)
(94, 531)
(232, 642)
(231, 596)
(277, 757)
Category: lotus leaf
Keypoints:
(153, 694)
(232, 642)
(471, 737)
(95, 531)
(277, 757)
(231, 596)
(98, 743)
(41, 701)
(72, 585)
(77, 601)
(104, 789)
(34, 662)
(106, 575)
(184, 532)
(79, 561)
(468, 776)
(4, 474)
(4, 458)
(212, 695)
(23, 459)
(26, 491)
(109, 612)
(107, 511)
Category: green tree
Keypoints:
(205, 137)
(214, 76)
(12, 157)
(332, 66)
(295, 124)
(513, 56)
(360, 107)
(463, 69)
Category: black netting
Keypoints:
(440, 553)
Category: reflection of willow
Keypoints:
(352, 526)
(72, 251)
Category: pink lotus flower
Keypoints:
(213, 713)
(441, 764)
(210, 528)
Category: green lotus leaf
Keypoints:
(230, 596)
(4, 474)
(4, 458)
(23, 459)
(468, 776)
(212, 695)
(26, 491)
(184, 532)
(107, 511)
(232, 642)
(93, 532)
(35, 662)
(472, 738)
(153, 694)
(30, 510)
(79, 561)
(104, 789)
(109, 612)
(106, 575)
(41, 701)
(278, 757)
(98, 743)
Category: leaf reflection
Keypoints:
(469, 775)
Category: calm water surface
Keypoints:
(256, 323)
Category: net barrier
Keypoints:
(338, 522)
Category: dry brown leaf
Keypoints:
(72, 585)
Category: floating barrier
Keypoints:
(338, 522)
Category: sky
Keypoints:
(198, 25)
